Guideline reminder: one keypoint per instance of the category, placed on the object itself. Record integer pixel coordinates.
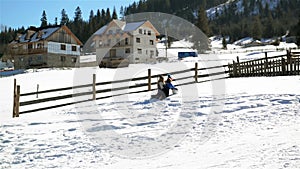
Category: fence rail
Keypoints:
(282, 65)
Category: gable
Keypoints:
(64, 35)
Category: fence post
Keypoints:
(94, 86)
(196, 72)
(37, 90)
(149, 79)
(234, 69)
(266, 64)
(15, 96)
(17, 102)
(238, 66)
(288, 55)
(283, 66)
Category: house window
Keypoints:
(140, 31)
(118, 42)
(39, 45)
(62, 47)
(30, 46)
(145, 32)
(100, 43)
(126, 41)
(74, 48)
(108, 42)
(149, 32)
(127, 50)
(137, 58)
(151, 42)
(138, 40)
(151, 53)
(146, 52)
(74, 60)
(62, 58)
(110, 32)
(139, 51)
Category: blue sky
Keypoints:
(17, 13)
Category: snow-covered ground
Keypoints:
(232, 123)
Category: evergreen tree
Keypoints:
(91, 17)
(269, 27)
(122, 11)
(108, 16)
(44, 19)
(298, 31)
(78, 15)
(114, 15)
(55, 21)
(256, 28)
(64, 17)
(202, 22)
(224, 43)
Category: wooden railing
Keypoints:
(93, 93)
(282, 65)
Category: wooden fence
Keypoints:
(288, 64)
(144, 87)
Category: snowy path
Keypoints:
(258, 128)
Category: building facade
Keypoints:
(53, 46)
(135, 41)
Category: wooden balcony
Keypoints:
(28, 51)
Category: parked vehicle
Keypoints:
(182, 55)
(114, 62)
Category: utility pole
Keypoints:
(166, 42)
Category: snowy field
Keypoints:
(232, 123)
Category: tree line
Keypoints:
(256, 20)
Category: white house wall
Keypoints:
(55, 48)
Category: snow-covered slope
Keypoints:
(211, 13)
(232, 123)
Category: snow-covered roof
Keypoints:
(101, 30)
(132, 26)
(34, 34)
(45, 33)
(125, 27)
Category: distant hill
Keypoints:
(233, 18)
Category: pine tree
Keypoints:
(224, 43)
(122, 11)
(257, 28)
(298, 32)
(202, 22)
(78, 15)
(114, 15)
(55, 21)
(108, 16)
(269, 27)
(44, 19)
(91, 16)
(64, 17)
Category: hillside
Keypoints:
(233, 18)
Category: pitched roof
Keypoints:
(37, 34)
(46, 32)
(125, 27)
(132, 26)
